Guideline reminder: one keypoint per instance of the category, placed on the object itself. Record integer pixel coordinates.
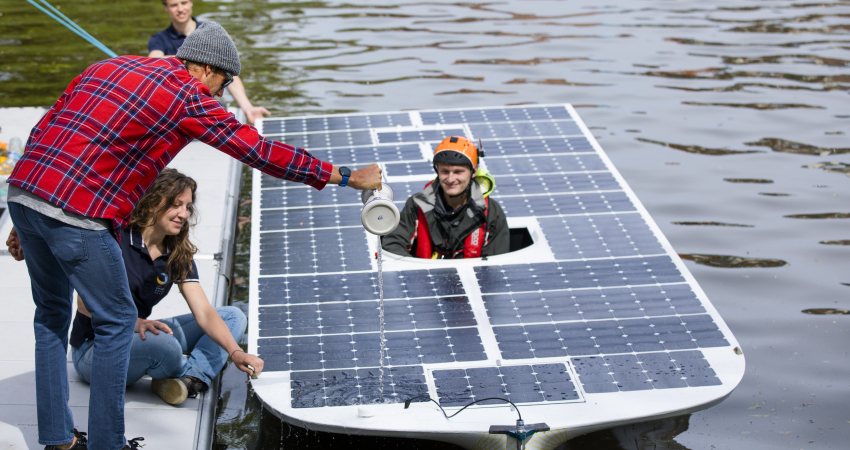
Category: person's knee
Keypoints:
(235, 318)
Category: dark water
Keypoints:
(729, 119)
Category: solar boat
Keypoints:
(591, 321)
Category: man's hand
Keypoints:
(14, 246)
(154, 326)
(248, 363)
(366, 178)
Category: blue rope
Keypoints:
(56, 15)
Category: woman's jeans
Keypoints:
(189, 351)
(62, 258)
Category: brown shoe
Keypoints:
(171, 390)
(79, 442)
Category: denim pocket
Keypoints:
(69, 245)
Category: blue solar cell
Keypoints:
(409, 168)
(644, 371)
(312, 389)
(360, 286)
(565, 204)
(532, 146)
(494, 115)
(545, 164)
(329, 250)
(393, 137)
(577, 237)
(323, 140)
(602, 337)
(525, 129)
(311, 218)
(577, 274)
(520, 384)
(354, 156)
(362, 349)
(307, 197)
(278, 126)
(518, 184)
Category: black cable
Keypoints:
(408, 401)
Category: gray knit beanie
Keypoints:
(210, 44)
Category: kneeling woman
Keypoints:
(182, 354)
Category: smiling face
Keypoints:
(179, 11)
(176, 216)
(454, 179)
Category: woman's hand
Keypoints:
(154, 326)
(248, 363)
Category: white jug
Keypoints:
(380, 216)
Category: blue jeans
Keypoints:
(61, 258)
(189, 351)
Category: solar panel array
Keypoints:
(610, 311)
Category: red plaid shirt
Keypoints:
(121, 121)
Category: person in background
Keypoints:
(85, 166)
(453, 217)
(182, 354)
(167, 41)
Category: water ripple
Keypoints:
(732, 262)
(711, 224)
(759, 106)
(786, 146)
(698, 149)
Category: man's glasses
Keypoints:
(228, 78)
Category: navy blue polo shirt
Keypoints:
(148, 279)
(168, 40)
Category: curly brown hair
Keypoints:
(159, 197)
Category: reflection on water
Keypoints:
(712, 224)
(666, 86)
(762, 106)
(786, 146)
(732, 262)
(748, 180)
(698, 149)
(838, 167)
(830, 215)
(826, 311)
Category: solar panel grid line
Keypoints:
(570, 193)
(610, 336)
(643, 371)
(305, 319)
(591, 303)
(485, 332)
(606, 272)
(446, 344)
(591, 321)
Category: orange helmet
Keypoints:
(456, 150)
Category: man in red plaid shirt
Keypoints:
(86, 164)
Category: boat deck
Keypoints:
(162, 426)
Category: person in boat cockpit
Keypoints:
(454, 216)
